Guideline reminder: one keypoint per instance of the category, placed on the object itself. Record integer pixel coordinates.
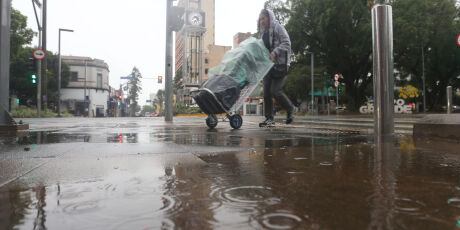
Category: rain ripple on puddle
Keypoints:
(243, 195)
(279, 221)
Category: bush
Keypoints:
(184, 109)
(23, 111)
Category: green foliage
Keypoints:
(20, 34)
(281, 10)
(177, 80)
(23, 111)
(26, 112)
(159, 99)
(134, 90)
(20, 83)
(433, 27)
(339, 33)
(184, 109)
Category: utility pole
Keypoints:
(5, 9)
(44, 64)
(168, 65)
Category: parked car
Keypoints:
(340, 109)
(153, 114)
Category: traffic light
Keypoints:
(33, 78)
(160, 79)
(31, 64)
(176, 18)
(340, 90)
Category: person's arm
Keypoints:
(285, 42)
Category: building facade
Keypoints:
(87, 93)
(195, 51)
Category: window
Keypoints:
(73, 76)
(99, 80)
(206, 61)
(206, 71)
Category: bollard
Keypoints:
(449, 99)
(382, 40)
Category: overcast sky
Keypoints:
(129, 33)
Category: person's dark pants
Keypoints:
(273, 87)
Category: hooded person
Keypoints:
(276, 40)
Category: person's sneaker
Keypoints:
(268, 122)
(290, 115)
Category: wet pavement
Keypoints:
(145, 173)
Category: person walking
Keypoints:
(278, 43)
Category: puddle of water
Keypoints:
(302, 181)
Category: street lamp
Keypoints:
(59, 70)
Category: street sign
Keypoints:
(39, 54)
(458, 40)
(127, 78)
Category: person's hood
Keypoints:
(272, 21)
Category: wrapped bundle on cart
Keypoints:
(231, 83)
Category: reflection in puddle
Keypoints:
(300, 181)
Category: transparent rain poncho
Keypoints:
(247, 64)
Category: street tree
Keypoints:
(338, 32)
(160, 99)
(280, 8)
(20, 35)
(431, 26)
(177, 80)
(134, 88)
(20, 76)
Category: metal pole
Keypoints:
(39, 63)
(59, 75)
(337, 95)
(39, 77)
(5, 12)
(423, 80)
(85, 103)
(44, 64)
(449, 99)
(382, 39)
(312, 84)
(168, 67)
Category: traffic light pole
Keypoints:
(168, 65)
(44, 63)
(39, 62)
